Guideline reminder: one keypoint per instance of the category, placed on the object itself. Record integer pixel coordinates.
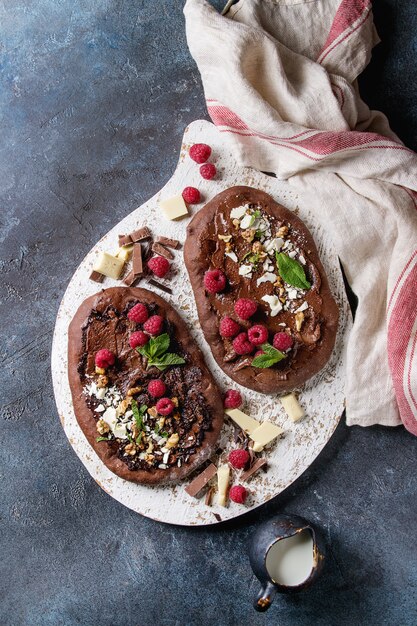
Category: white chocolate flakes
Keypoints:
(274, 304)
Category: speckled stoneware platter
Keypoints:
(322, 397)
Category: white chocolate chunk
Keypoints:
(174, 208)
(119, 431)
(223, 475)
(303, 307)
(238, 212)
(274, 304)
(109, 265)
(232, 256)
(245, 422)
(292, 407)
(245, 270)
(265, 434)
(110, 417)
(268, 277)
(124, 253)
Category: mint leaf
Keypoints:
(170, 358)
(102, 439)
(139, 438)
(158, 345)
(270, 357)
(164, 433)
(263, 361)
(291, 271)
(144, 350)
(138, 413)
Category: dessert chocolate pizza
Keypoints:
(141, 390)
(262, 295)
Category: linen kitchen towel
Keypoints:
(279, 78)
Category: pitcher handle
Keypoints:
(265, 597)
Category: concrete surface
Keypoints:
(94, 100)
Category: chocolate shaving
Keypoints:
(158, 249)
(131, 278)
(217, 516)
(140, 234)
(209, 496)
(200, 481)
(96, 276)
(124, 240)
(137, 264)
(155, 283)
(242, 364)
(169, 243)
(255, 467)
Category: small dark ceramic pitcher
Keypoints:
(277, 529)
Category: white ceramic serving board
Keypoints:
(322, 397)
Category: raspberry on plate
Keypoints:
(200, 152)
(214, 281)
(239, 458)
(242, 345)
(208, 171)
(232, 399)
(191, 195)
(238, 494)
(104, 358)
(138, 313)
(159, 266)
(164, 406)
(153, 325)
(282, 341)
(258, 334)
(245, 308)
(157, 388)
(139, 338)
(228, 328)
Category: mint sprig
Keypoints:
(138, 413)
(291, 271)
(270, 357)
(102, 439)
(155, 351)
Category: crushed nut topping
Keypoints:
(299, 319)
(102, 427)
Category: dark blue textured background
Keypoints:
(94, 99)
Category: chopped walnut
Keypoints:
(225, 238)
(282, 299)
(100, 370)
(102, 427)
(131, 449)
(236, 223)
(282, 231)
(174, 401)
(135, 431)
(281, 291)
(134, 391)
(228, 247)
(161, 422)
(172, 441)
(299, 319)
(149, 449)
(149, 458)
(123, 406)
(102, 381)
(249, 234)
(257, 247)
(152, 411)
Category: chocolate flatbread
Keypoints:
(140, 449)
(243, 233)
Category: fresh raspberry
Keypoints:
(245, 308)
(153, 325)
(214, 281)
(200, 152)
(157, 388)
(138, 314)
(208, 171)
(258, 334)
(239, 458)
(191, 195)
(139, 338)
(282, 342)
(159, 265)
(228, 328)
(238, 494)
(259, 353)
(232, 399)
(164, 406)
(242, 345)
(104, 358)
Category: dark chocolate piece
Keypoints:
(169, 243)
(137, 263)
(209, 496)
(217, 516)
(124, 240)
(242, 364)
(200, 481)
(131, 278)
(140, 234)
(96, 276)
(160, 286)
(159, 249)
(255, 467)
